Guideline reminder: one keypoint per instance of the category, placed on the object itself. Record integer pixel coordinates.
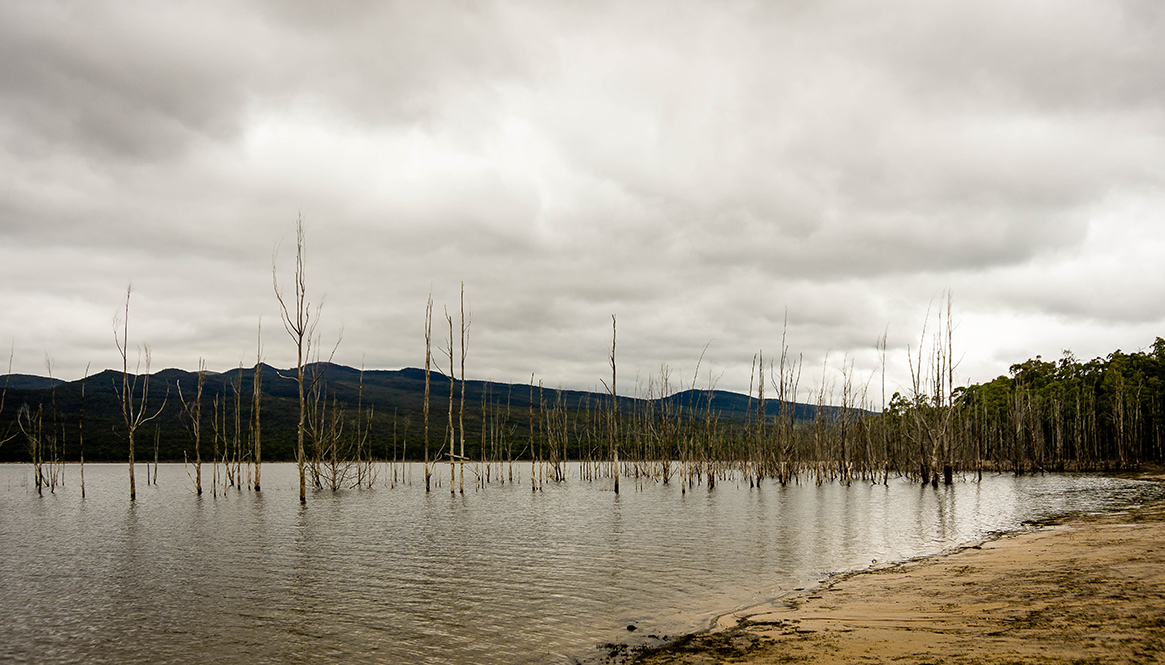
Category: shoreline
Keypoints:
(1081, 588)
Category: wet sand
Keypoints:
(1087, 589)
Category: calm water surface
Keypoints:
(500, 575)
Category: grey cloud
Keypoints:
(696, 169)
(398, 62)
(1055, 56)
(112, 82)
(990, 183)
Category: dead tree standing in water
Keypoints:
(256, 398)
(451, 438)
(461, 413)
(81, 428)
(614, 422)
(32, 427)
(193, 413)
(133, 409)
(300, 326)
(428, 370)
(5, 437)
(932, 393)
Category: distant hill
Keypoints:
(390, 401)
(28, 382)
(737, 408)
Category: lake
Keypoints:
(497, 575)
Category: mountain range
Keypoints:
(389, 402)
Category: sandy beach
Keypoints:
(1086, 589)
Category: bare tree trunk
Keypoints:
(31, 426)
(133, 410)
(300, 326)
(214, 423)
(948, 396)
(81, 428)
(193, 412)
(428, 363)
(461, 413)
(614, 411)
(452, 432)
(55, 437)
(4, 392)
(885, 448)
(533, 454)
(256, 399)
(157, 441)
(238, 388)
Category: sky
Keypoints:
(723, 177)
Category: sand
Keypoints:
(1087, 589)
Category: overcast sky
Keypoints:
(699, 169)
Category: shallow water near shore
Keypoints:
(497, 575)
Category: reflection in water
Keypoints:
(501, 575)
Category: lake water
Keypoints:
(497, 575)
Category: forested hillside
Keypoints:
(1070, 414)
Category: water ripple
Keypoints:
(498, 575)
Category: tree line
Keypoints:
(1105, 413)
(347, 428)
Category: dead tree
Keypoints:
(451, 438)
(81, 428)
(256, 399)
(193, 412)
(133, 407)
(614, 418)
(428, 370)
(300, 320)
(461, 412)
(4, 394)
(32, 427)
(932, 393)
(55, 435)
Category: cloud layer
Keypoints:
(703, 170)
